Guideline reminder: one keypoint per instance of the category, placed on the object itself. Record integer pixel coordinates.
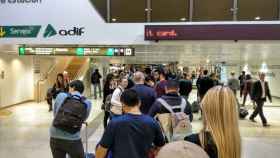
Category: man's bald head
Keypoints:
(139, 77)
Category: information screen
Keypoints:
(78, 51)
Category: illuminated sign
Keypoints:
(80, 51)
(213, 32)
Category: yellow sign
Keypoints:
(2, 32)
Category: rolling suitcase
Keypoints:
(195, 107)
(243, 113)
(87, 154)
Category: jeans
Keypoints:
(97, 85)
(60, 147)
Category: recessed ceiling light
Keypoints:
(257, 18)
(183, 19)
(114, 19)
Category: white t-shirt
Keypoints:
(263, 89)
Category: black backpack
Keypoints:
(71, 114)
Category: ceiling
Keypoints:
(180, 10)
(196, 52)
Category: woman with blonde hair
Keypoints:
(220, 136)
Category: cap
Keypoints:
(182, 149)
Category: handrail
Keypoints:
(82, 70)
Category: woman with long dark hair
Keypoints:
(109, 87)
(59, 86)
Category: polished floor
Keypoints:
(24, 131)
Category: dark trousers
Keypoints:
(259, 110)
(95, 86)
(60, 147)
(241, 90)
(106, 118)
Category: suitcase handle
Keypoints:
(86, 133)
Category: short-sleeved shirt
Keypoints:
(147, 96)
(132, 136)
(160, 88)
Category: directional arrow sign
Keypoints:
(19, 31)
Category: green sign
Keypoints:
(50, 31)
(21, 50)
(19, 31)
(80, 51)
(77, 51)
(110, 52)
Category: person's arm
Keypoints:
(253, 91)
(159, 140)
(116, 97)
(154, 109)
(106, 141)
(154, 96)
(188, 111)
(101, 152)
(89, 106)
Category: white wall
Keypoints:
(272, 77)
(18, 83)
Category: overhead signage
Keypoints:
(74, 31)
(80, 51)
(21, 1)
(213, 32)
(19, 31)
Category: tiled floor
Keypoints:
(24, 132)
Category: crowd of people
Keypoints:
(147, 114)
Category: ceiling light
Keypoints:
(257, 18)
(183, 19)
(114, 20)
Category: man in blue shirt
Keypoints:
(132, 134)
(63, 142)
(146, 94)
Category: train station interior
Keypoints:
(41, 39)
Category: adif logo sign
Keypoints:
(75, 31)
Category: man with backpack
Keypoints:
(70, 111)
(172, 111)
(131, 135)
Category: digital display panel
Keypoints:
(78, 51)
(213, 32)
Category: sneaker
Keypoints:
(252, 120)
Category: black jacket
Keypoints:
(185, 87)
(205, 84)
(257, 91)
(95, 78)
(172, 99)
